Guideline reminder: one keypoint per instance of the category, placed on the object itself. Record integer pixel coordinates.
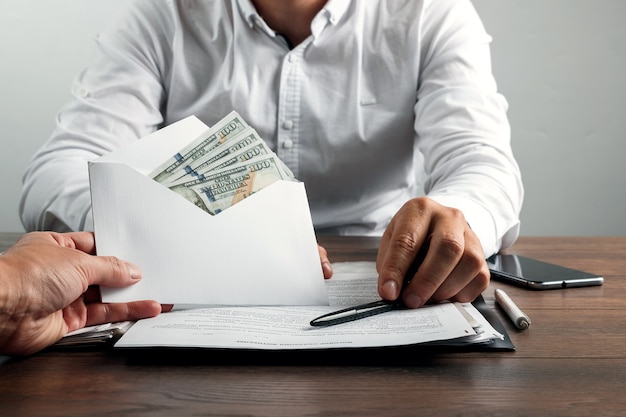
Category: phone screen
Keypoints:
(539, 275)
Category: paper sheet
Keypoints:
(288, 327)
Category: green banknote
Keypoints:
(225, 187)
(177, 165)
(223, 166)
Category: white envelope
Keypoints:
(260, 251)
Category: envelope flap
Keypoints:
(145, 154)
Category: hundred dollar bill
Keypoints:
(190, 195)
(249, 154)
(240, 148)
(228, 186)
(229, 126)
(248, 138)
(204, 163)
(227, 159)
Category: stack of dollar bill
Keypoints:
(224, 165)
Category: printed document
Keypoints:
(288, 328)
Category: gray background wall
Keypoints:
(560, 63)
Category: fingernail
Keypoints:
(390, 290)
(412, 300)
(134, 271)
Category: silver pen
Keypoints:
(517, 316)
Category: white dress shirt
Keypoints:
(384, 101)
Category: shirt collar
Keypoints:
(333, 11)
(248, 12)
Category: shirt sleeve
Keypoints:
(115, 100)
(462, 127)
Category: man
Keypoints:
(45, 290)
(366, 102)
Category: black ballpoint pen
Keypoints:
(370, 309)
(356, 313)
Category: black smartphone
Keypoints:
(538, 275)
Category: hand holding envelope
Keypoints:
(260, 251)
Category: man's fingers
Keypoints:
(327, 269)
(98, 313)
(437, 242)
(471, 275)
(110, 271)
(444, 252)
(395, 262)
(83, 241)
(472, 290)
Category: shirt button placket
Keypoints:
(288, 110)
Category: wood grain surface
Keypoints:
(571, 362)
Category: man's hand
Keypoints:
(327, 269)
(49, 281)
(453, 266)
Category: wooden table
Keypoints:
(571, 362)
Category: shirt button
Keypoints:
(287, 124)
(288, 144)
(83, 92)
(291, 58)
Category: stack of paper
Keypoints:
(287, 328)
(102, 334)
